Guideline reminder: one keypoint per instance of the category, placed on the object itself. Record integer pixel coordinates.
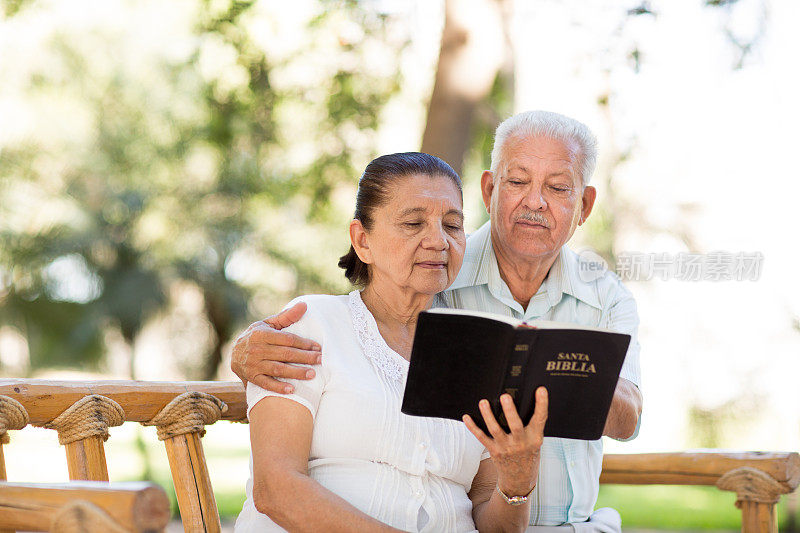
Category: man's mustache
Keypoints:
(533, 216)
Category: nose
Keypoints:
(435, 237)
(534, 200)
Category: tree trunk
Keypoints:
(221, 321)
(472, 52)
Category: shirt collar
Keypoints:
(565, 277)
(480, 268)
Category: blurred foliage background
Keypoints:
(151, 181)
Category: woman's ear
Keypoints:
(360, 241)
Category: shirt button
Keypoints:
(418, 494)
(422, 445)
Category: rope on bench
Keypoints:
(189, 412)
(90, 416)
(80, 516)
(12, 416)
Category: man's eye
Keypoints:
(560, 189)
(413, 224)
(454, 227)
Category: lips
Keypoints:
(434, 265)
(530, 224)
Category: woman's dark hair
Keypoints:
(373, 191)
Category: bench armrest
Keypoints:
(84, 506)
(703, 467)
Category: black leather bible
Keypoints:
(460, 357)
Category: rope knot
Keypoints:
(88, 417)
(189, 412)
(12, 416)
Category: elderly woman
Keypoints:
(338, 455)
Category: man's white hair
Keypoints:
(553, 126)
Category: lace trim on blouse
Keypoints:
(386, 360)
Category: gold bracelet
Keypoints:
(514, 500)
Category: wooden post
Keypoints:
(180, 425)
(193, 489)
(3, 475)
(758, 517)
(82, 429)
(86, 459)
(12, 416)
(756, 495)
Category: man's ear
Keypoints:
(587, 202)
(360, 241)
(487, 186)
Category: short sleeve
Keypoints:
(306, 392)
(624, 318)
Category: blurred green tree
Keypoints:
(185, 171)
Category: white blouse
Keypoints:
(412, 473)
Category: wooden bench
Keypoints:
(84, 507)
(81, 412)
(758, 478)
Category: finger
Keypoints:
(539, 417)
(478, 432)
(271, 352)
(287, 317)
(512, 417)
(488, 417)
(272, 384)
(276, 369)
(269, 335)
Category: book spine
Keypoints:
(514, 381)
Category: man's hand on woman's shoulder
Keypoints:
(263, 352)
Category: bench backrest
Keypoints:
(82, 412)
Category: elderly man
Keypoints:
(518, 264)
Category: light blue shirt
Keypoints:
(570, 469)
